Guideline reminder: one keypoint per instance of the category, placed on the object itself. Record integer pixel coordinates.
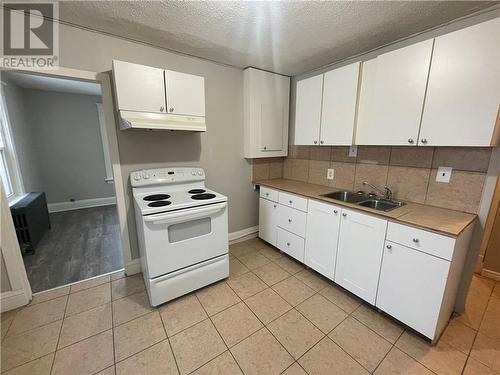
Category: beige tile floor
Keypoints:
(272, 316)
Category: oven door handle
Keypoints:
(185, 215)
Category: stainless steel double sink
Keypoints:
(365, 200)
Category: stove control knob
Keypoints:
(193, 173)
(137, 177)
(200, 173)
(146, 176)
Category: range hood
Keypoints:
(164, 121)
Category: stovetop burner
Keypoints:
(196, 191)
(156, 197)
(203, 196)
(159, 203)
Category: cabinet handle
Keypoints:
(267, 194)
(389, 247)
(424, 141)
(321, 142)
(288, 244)
(344, 214)
(415, 240)
(335, 212)
(161, 109)
(410, 141)
(289, 220)
(274, 206)
(265, 147)
(315, 142)
(171, 109)
(290, 202)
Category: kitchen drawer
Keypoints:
(270, 194)
(292, 200)
(292, 220)
(291, 244)
(425, 241)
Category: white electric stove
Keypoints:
(182, 231)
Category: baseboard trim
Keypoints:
(491, 274)
(133, 267)
(12, 300)
(84, 203)
(243, 235)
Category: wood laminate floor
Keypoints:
(81, 244)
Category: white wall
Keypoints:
(219, 151)
(58, 143)
(67, 145)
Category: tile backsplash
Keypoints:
(409, 171)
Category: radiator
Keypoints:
(31, 220)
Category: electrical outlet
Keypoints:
(353, 151)
(443, 174)
(330, 173)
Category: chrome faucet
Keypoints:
(387, 193)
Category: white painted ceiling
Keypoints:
(288, 37)
(48, 83)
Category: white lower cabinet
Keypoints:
(291, 244)
(322, 232)
(412, 286)
(359, 253)
(268, 221)
(410, 273)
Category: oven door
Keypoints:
(178, 239)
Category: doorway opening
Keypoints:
(56, 169)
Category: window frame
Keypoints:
(9, 151)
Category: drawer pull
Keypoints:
(267, 194)
(344, 214)
(415, 240)
(274, 206)
(289, 220)
(288, 244)
(335, 212)
(290, 201)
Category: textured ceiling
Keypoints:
(288, 37)
(47, 83)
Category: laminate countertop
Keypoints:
(436, 219)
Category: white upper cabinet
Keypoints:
(185, 94)
(392, 96)
(359, 253)
(322, 231)
(340, 93)
(308, 100)
(463, 93)
(266, 108)
(138, 87)
(325, 107)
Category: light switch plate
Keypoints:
(353, 151)
(443, 174)
(330, 173)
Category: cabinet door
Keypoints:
(268, 221)
(138, 87)
(340, 93)
(322, 232)
(272, 98)
(185, 94)
(397, 96)
(308, 110)
(359, 254)
(411, 287)
(463, 94)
